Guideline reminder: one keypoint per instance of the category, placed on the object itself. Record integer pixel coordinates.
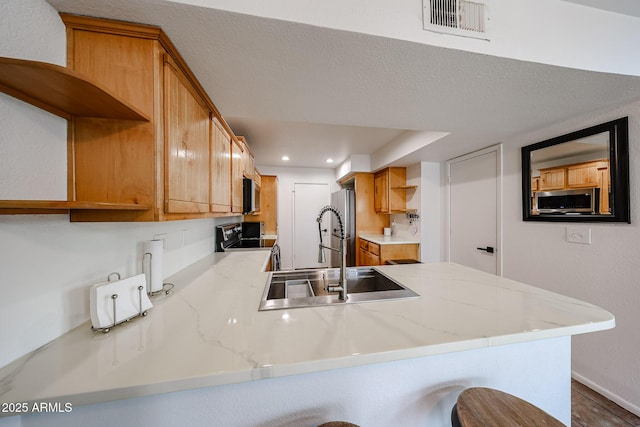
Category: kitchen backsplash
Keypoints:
(403, 228)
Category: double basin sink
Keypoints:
(306, 288)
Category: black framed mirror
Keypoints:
(582, 176)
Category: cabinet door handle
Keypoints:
(488, 249)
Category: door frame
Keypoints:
(497, 148)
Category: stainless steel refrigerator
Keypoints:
(344, 201)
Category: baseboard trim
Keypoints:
(606, 393)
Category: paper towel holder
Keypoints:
(166, 287)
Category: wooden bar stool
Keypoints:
(482, 407)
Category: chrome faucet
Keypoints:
(342, 284)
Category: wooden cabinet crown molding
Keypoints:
(111, 26)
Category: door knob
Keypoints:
(488, 249)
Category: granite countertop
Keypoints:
(381, 239)
(210, 332)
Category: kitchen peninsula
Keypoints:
(375, 364)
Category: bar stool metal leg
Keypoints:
(455, 421)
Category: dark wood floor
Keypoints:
(590, 409)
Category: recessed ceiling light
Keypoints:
(285, 158)
(329, 160)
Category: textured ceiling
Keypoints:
(327, 93)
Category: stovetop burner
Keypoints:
(251, 244)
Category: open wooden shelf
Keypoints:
(63, 206)
(61, 91)
(405, 187)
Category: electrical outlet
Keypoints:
(163, 237)
(579, 235)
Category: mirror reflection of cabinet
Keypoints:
(577, 176)
(535, 183)
(551, 179)
(595, 160)
(586, 174)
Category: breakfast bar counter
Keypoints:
(207, 340)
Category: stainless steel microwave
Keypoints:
(568, 201)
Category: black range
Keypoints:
(229, 237)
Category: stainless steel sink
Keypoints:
(306, 288)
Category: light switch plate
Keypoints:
(579, 235)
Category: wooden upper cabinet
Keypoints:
(248, 162)
(187, 145)
(220, 168)
(381, 192)
(391, 190)
(167, 163)
(236, 176)
(115, 161)
(257, 178)
(141, 144)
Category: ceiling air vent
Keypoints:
(457, 17)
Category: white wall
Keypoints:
(355, 163)
(47, 263)
(33, 143)
(432, 206)
(287, 177)
(604, 273)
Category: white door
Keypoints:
(308, 200)
(474, 210)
